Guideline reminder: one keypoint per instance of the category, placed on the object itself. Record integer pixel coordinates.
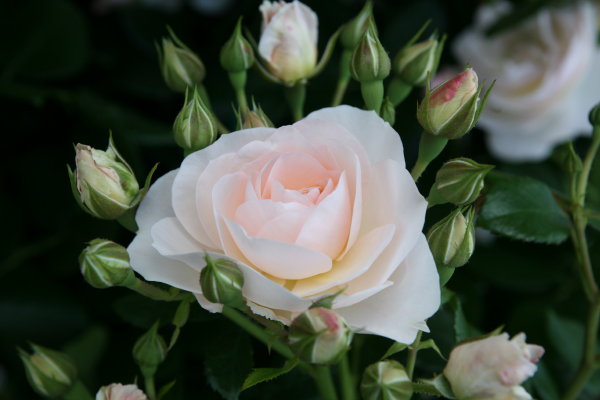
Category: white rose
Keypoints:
(288, 42)
(117, 391)
(492, 368)
(304, 210)
(547, 72)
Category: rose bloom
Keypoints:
(288, 42)
(492, 368)
(547, 77)
(305, 211)
(117, 391)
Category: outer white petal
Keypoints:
(398, 311)
(157, 202)
(378, 138)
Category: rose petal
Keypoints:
(378, 138)
(280, 259)
(395, 311)
(157, 202)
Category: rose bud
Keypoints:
(353, 30)
(117, 391)
(105, 264)
(195, 126)
(319, 336)
(414, 63)
(452, 240)
(288, 43)
(150, 351)
(254, 118)
(237, 54)
(104, 181)
(49, 372)
(594, 115)
(181, 68)
(459, 181)
(222, 281)
(451, 109)
(370, 65)
(492, 368)
(386, 380)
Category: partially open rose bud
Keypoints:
(451, 109)
(452, 240)
(181, 68)
(254, 118)
(106, 184)
(492, 368)
(319, 336)
(105, 264)
(118, 391)
(288, 42)
(386, 380)
(49, 372)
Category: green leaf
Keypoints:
(259, 375)
(524, 209)
(566, 337)
(87, 350)
(462, 328)
(394, 348)
(228, 360)
(544, 384)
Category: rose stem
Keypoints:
(322, 376)
(78, 392)
(588, 362)
(343, 80)
(295, 96)
(346, 379)
(412, 356)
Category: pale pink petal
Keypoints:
(170, 237)
(327, 228)
(396, 311)
(282, 260)
(157, 202)
(272, 220)
(378, 138)
(358, 260)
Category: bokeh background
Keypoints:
(70, 71)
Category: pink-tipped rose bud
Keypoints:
(288, 43)
(492, 368)
(117, 391)
(320, 336)
(451, 109)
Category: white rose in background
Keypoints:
(547, 72)
(118, 391)
(288, 42)
(492, 368)
(305, 210)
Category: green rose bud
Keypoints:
(222, 282)
(254, 118)
(105, 264)
(150, 351)
(451, 110)
(414, 63)
(459, 181)
(104, 181)
(319, 336)
(195, 126)
(354, 29)
(237, 54)
(49, 372)
(452, 240)
(386, 380)
(181, 68)
(594, 115)
(370, 62)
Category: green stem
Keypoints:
(78, 392)
(322, 376)
(150, 387)
(587, 166)
(398, 90)
(412, 356)
(238, 81)
(372, 93)
(346, 379)
(430, 147)
(256, 331)
(295, 96)
(344, 78)
(153, 292)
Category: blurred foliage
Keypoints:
(69, 72)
